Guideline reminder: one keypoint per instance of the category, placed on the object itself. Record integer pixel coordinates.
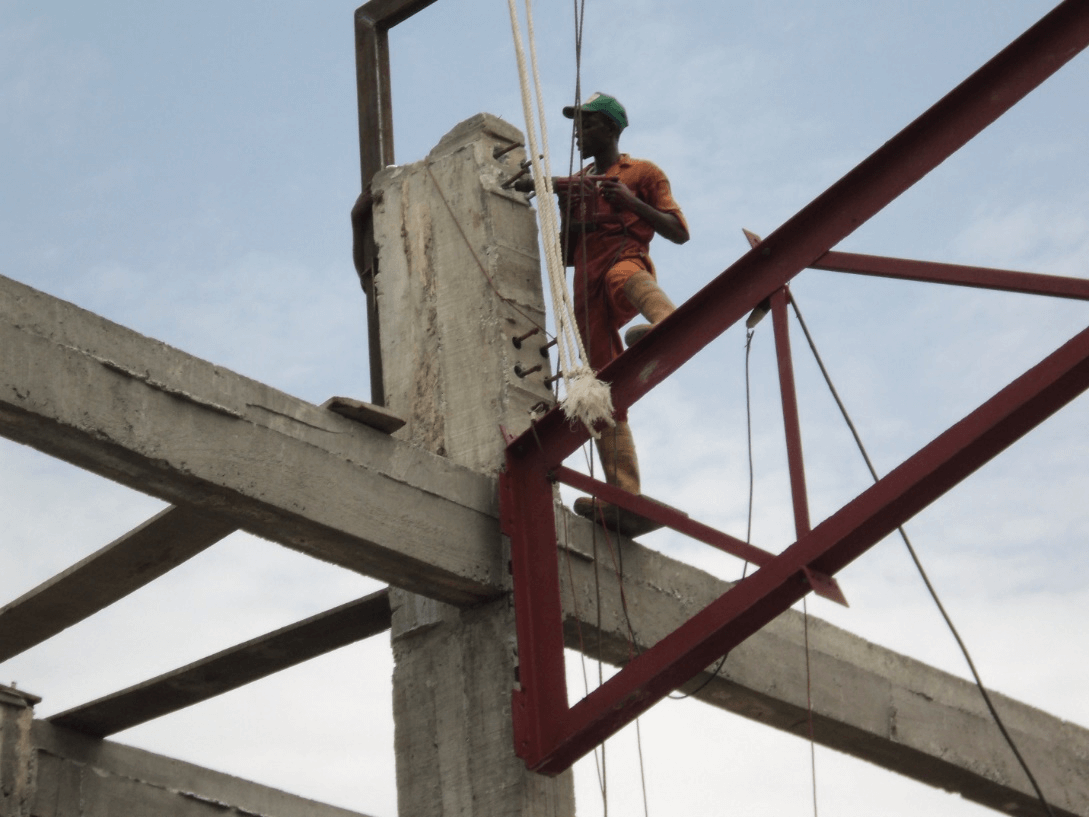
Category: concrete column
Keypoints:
(18, 756)
(460, 280)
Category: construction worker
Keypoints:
(607, 227)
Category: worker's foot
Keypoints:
(636, 334)
(625, 522)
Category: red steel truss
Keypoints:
(549, 734)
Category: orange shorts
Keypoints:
(602, 308)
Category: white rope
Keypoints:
(586, 399)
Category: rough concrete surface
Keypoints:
(80, 776)
(149, 416)
(458, 281)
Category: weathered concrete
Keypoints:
(459, 280)
(146, 415)
(79, 776)
(18, 760)
(163, 542)
(232, 668)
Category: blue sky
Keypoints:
(187, 170)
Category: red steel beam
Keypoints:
(822, 585)
(664, 515)
(791, 423)
(757, 599)
(1027, 283)
(550, 737)
(527, 517)
(832, 216)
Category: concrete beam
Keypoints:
(869, 702)
(77, 774)
(149, 416)
(160, 544)
(232, 668)
(78, 387)
(99, 395)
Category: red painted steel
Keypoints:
(527, 517)
(665, 515)
(829, 547)
(549, 736)
(1027, 283)
(836, 213)
(791, 422)
(822, 585)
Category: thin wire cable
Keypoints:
(578, 628)
(491, 281)
(919, 567)
(748, 427)
(809, 706)
(642, 776)
(748, 526)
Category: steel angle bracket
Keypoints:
(549, 734)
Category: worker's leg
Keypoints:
(646, 296)
(616, 447)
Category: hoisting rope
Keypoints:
(587, 400)
(919, 565)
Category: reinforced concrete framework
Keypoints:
(458, 283)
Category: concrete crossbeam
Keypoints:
(232, 668)
(77, 774)
(125, 565)
(61, 389)
(146, 415)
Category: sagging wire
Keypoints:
(491, 281)
(809, 705)
(919, 566)
(748, 527)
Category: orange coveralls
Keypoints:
(607, 254)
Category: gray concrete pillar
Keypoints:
(18, 755)
(460, 280)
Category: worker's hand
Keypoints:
(618, 194)
(524, 184)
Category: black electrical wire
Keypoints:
(748, 528)
(919, 565)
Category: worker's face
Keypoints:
(593, 133)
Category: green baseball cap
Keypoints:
(602, 103)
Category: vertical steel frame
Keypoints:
(550, 735)
(375, 100)
(791, 422)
